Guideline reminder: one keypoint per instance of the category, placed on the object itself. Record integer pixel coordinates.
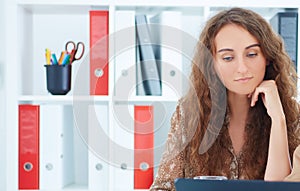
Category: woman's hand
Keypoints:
(270, 97)
(278, 164)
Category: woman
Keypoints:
(239, 118)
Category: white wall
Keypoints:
(2, 99)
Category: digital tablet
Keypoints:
(185, 184)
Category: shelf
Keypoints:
(208, 3)
(61, 7)
(58, 99)
(69, 100)
(144, 100)
(65, 2)
(76, 187)
(83, 6)
(73, 187)
(166, 3)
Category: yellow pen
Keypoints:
(48, 56)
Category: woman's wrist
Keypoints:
(279, 121)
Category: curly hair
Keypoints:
(206, 91)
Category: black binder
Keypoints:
(286, 24)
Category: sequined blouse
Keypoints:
(174, 163)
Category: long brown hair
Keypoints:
(206, 92)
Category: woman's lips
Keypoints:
(243, 79)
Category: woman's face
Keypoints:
(239, 61)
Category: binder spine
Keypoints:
(165, 29)
(149, 70)
(56, 164)
(286, 24)
(143, 147)
(28, 146)
(125, 54)
(98, 168)
(122, 131)
(99, 52)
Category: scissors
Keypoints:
(74, 49)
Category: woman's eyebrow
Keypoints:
(229, 49)
(252, 45)
(225, 49)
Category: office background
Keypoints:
(10, 64)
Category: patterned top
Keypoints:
(175, 163)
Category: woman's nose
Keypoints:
(241, 66)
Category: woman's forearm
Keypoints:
(278, 164)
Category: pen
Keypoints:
(62, 55)
(48, 56)
(66, 59)
(54, 60)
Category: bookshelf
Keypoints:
(33, 25)
(2, 102)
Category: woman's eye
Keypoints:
(253, 54)
(227, 58)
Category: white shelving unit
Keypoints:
(30, 26)
(2, 102)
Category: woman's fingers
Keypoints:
(255, 95)
(270, 97)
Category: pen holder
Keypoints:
(59, 79)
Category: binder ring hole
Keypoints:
(144, 166)
(123, 166)
(124, 72)
(99, 72)
(28, 166)
(49, 166)
(172, 73)
(98, 166)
